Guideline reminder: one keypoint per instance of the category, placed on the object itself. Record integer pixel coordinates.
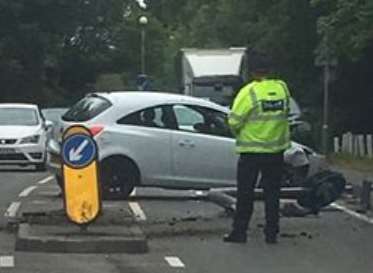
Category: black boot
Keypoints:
(235, 237)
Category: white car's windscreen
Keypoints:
(18, 117)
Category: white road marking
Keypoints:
(174, 262)
(45, 180)
(11, 212)
(137, 211)
(6, 261)
(27, 191)
(353, 213)
(39, 202)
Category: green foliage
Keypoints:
(346, 26)
(53, 51)
(348, 161)
(54, 46)
(107, 82)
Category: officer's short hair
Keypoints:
(259, 62)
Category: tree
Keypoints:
(346, 26)
(52, 51)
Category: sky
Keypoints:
(141, 4)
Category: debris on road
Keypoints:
(292, 210)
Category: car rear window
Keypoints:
(86, 109)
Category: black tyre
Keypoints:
(119, 176)
(294, 176)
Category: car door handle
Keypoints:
(186, 143)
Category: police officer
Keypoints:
(259, 121)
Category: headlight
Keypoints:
(30, 140)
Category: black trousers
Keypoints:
(271, 168)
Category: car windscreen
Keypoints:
(86, 109)
(18, 117)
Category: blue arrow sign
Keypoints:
(79, 150)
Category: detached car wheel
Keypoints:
(295, 176)
(118, 178)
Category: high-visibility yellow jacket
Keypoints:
(259, 117)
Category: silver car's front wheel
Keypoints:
(119, 176)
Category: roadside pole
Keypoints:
(328, 62)
(325, 126)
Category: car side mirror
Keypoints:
(48, 125)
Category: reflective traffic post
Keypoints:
(81, 176)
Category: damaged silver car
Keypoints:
(165, 140)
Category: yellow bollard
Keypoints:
(81, 175)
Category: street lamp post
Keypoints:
(143, 21)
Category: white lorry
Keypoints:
(214, 74)
(217, 75)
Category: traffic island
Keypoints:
(69, 239)
(44, 227)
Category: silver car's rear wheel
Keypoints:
(119, 176)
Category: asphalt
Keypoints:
(330, 242)
(311, 245)
(12, 182)
(185, 236)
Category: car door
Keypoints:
(145, 137)
(202, 148)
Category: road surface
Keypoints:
(185, 236)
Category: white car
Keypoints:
(23, 135)
(160, 139)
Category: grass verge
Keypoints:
(350, 162)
